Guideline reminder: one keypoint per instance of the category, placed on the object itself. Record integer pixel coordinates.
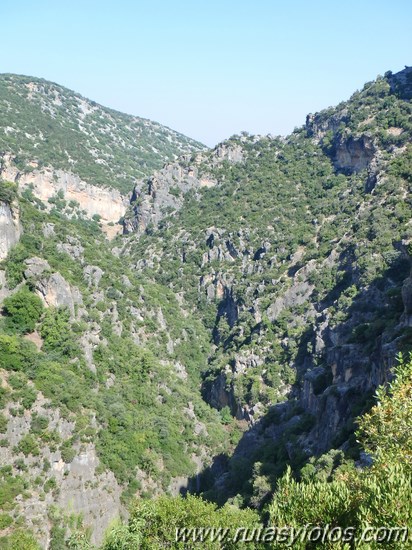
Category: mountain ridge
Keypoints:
(78, 129)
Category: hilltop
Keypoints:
(46, 124)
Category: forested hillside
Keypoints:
(228, 343)
(297, 260)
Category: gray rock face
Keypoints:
(298, 294)
(36, 267)
(74, 250)
(93, 274)
(221, 394)
(349, 153)
(10, 228)
(407, 296)
(163, 193)
(318, 126)
(353, 154)
(58, 293)
(95, 496)
(52, 288)
(48, 230)
(81, 489)
(4, 292)
(230, 153)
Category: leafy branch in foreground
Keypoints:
(386, 430)
(378, 496)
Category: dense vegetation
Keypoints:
(8, 192)
(284, 216)
(330, 494)
(233, 349)
(127, 398)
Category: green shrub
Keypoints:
(3, 423)
(39, 424)
(68, 453)
(152, 524)
(16, 354)
(10, 487)
(23, 310)
(225, 415)
(50, 485)
(56, 332)
(8, 191)
(20, 540)
(28, 446)
(27, 396)
(378, 496)
(5, 521)
(385, 430)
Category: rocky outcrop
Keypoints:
(52, 288)
(10, 233)
(163, 193)
(407, 296)
(349, 153)
(10, 227)
(103, 147)
(344, 139)
(336, 372)
(329, 394)
(353, 154)
(4, 292)
(221, 392)
(229, 152)
(45, 183)
(320, 124)
(92, 275)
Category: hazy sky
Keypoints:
(208, 69)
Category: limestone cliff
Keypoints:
(10, 227)
(46, 184)
(163, 193)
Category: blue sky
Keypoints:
(208, 69)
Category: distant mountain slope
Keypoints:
(46, 123)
